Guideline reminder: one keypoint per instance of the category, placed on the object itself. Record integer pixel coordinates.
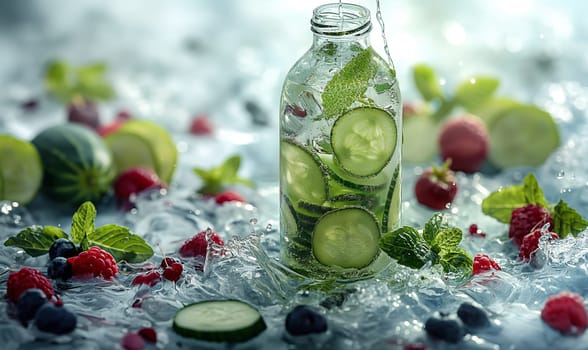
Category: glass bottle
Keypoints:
(340, 143)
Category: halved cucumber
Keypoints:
(364, 140)
(219, 321)
(347, 237)
(302, 173)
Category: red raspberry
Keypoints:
(228, 196)
(132, 341)
(148, 334)
(465, 141)
(27, 278)
(149, 278)
(475, 231)
(566, 313)
(531, 243)
(197, 245)
(94, 262)
(201, 126)
(483, 263)
(172, 269)
(107, 129)
(135, 180)
(527, 219)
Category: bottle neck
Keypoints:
(341, 23)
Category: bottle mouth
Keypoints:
(341, 19)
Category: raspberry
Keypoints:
(198, 245)
(526, 219)
(475, 231)
(201, 125)
(132, 341)
(26, 278)
(136, 180)
(149, 278)
(465, 141)
(531, 243)
(483, 263)
(228, 196)
(148, 334)
(172, 269)
(566, 313)
(94, 262)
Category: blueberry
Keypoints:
(449, 330)
(62, 247)
(59, 268)
(304, 320)
(29, 303)
(473, 316)
(55, 319)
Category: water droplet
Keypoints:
(561, 174)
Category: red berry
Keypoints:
(198, 245)
(566, 313)
(149, 278)
(414, 346)
(104, 130)
(26, 278)
(483, 263)
(228, 196)
(172, 269)
(531, 243)
(123, 115)
(201, 125)
(94, 262)
(148, 333)
(85, 112)
(436, 187)
(474, 230)
(464, 140)
(134, 181)
(295, 110)
(132, 341)
(527, 219)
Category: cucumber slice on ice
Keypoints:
(346, 237)
(522, 136)
(219, 321)
(303, 174)
(364, 140)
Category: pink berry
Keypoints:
(483, 263)
(201, 125)
(172, 269)
(149, 278)
(566, 313)
(465, 141)
(531, 243)
(197, 246)
(148, 333)
(132, 341)
(228, 196)
(134, 181)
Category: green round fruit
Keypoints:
(77, 164)
(21, 171)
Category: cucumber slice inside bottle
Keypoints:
(364, 140)
(228, 321)
(522, 136)
(303, 174)
(391, 208)
(346, 237)
(361, 184)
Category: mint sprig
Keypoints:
(501, 203)
(65, 82)
(115, 239)
(438, 243)
(219, 177)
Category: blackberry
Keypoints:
(62, 247)
(29, 303)
(55, 319)
(59, 268)
(472, 316)
(449, 330)
(303, 320)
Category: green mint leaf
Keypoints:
(435, 224)
(92, 84)
(83, 222)
(36, 240)
(348, 85)
(566, 220)
(474, 91)
(65, 83)
(58, 81)
(380, 88)
(121, 243)
(502, 202)
(406, 246)
(446, 240)
(427, 82)
(457, 260)
(216, 178)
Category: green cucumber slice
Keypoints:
(364, 140)
(346, 237)
(228, 321)
(391, 216)
(362, 184)
(313, 208)
(523, 135)
(302, 174)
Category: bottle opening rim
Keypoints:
(341, 19)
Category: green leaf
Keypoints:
(65, 82)
(446, 240)
(36, 240)
(502, 202)
(57, 80)
(457, 260)
(121, 243)
(435, 224)
(406, 246)
(216, 178)
(474, 91)
(566, 220)
(427, 82)
(83, 222)
(380, 88)
(348, 85)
